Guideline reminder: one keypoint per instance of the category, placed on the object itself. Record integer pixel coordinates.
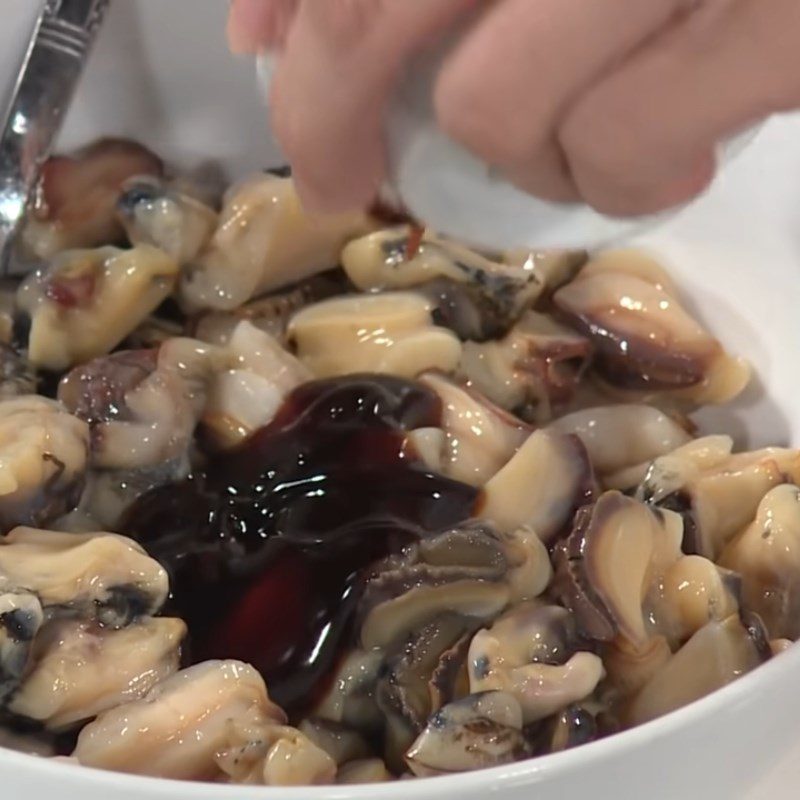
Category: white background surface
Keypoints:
(161, 73)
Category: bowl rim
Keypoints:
(494, 779)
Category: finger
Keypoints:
(341, 61)
(638, 141)
(257, 25)
(506, 87)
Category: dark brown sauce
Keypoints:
(269, 549)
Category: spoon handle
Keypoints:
(48, 75)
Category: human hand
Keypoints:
(617, 103)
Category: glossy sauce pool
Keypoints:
(268, 549)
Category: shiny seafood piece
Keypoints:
(573, 727)
(414, 604)
(351, 697)
(617, 552)
(390, 333)
(143, 405)
(479, 438)
(529, 633)
(180, 726)
(716, 493)
(530, 569)
(367, 770)
(140, 414)
(264, 241)
(87, 301)
(645, 341)
(551, 268)
(8, 311)
(156, 213)
(540, 487)
(478, 298)
(767, 556)
(431, 446)
(478, 731)
(629, 667)
(461, 571)
(670, 472)
(213, 721)
(634, 262)
(43, 455)
(246, 392)
(535, 368)
(717, 654)
(83, 669)
(237, 388)
(110, 492)
(31, 744)
(263, 753)
(21, 617)
(255, 351)
(422, 611)
(622, 440)
(17, 376)
(103, 576)
(693, 592)
(270, 314)
(532, 653)
(78, 193)
(152, 333)
(450, 680)
(421, 677)
(778, 646)
(341, 743)
(194, 364)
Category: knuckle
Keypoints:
(602, 158)
(345, 24)
(584, 132)
(599, 136)
(497, 131)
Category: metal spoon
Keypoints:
(60, 42)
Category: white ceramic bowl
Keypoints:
(440, 182)
(161, 74)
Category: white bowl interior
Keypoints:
(161, 74)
